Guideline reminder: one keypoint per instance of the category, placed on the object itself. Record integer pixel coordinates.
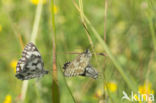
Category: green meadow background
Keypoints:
(122, 29)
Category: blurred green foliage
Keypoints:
(131, 27)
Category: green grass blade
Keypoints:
(32, 39)
(130, 82)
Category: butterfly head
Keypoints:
(66, 65)
(19, 76)
(88, 53)
(45, 72)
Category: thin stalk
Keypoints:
(55, 85)
(84, 23)
(36, 22)
(69, 90)
(105, 19)
(65, 81)
(33, 38)
(150, 16)
(81, 13)
(130, 82)
(54, 73)
(87, 33)
(151, 27)
(125, 76)
(85, 27)
(149, 67)
(24, 90)
(21, 41)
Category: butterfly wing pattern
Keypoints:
(80, 66)
(30, 65)
(90, 72)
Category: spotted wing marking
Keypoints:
(78, 65)
(29, 50)
(30, 65)
(90, 72)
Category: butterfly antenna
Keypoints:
(73, 53)
(87, 51)
(101, 54)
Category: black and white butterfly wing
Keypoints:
(78, 65)
(90, 72)
(31, 64)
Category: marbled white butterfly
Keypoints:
(80, 66)
(31, 64)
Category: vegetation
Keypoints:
(123, 30)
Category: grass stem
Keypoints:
(130, 82)
(33, 39)
(105, 19)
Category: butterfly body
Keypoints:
(78, 66)
(31, 64)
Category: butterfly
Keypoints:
(80, 66)
(30, 65)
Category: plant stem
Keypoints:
(105, 19)
(36, 22)
(33, 39)
(54, 73)
(130, 82)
